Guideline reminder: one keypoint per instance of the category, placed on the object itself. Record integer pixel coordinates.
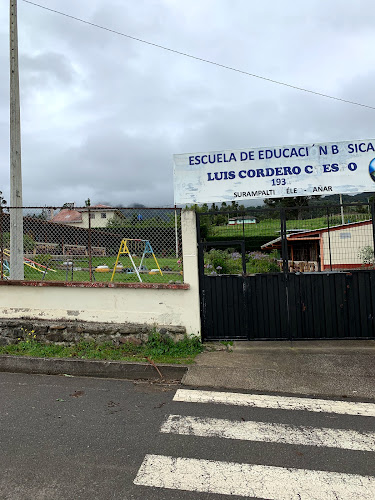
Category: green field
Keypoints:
(272, 227)
(170, 268)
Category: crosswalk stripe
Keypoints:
(269, 432)
(276, 402)
(262, 481)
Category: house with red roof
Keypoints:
(342, 247)
(79, 217)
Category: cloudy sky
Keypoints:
(102, 115)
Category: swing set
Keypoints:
(124, 250)
(5, 265)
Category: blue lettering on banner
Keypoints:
(219, 158)
(279, 153)
(361, 147)
(272, 172)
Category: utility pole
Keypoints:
(16, 215)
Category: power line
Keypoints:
(230, 68)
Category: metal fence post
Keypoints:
(243, 255)
(89, 244)
(284, 256)
(284, 243)
(1, 244)
(373, 224)
(176, 231)
(200, 248)
(329, 241)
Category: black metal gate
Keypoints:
(280, 307)
(285, 305)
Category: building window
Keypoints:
(104, 215)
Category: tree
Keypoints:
(291, 202)
(43, 215)
(2, 200)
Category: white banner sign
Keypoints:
(275, 172)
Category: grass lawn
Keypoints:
(272, 227)
(158, 349)
(172, 270)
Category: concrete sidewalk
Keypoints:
(325, 368)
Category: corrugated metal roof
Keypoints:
(67, 216)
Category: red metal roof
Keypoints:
(66, 216)
(315, 232)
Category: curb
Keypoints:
(90, 368)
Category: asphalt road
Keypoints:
(80, 438)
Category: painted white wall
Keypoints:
(139, 305)
(346, 244)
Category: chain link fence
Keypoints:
(316, 238)
(96, 244)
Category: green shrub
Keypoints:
(366, 254)
(223, 262)
(28, 242)
(259, 262)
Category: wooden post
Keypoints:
(16, 215)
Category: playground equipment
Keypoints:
(124, 250)
(5, 269)
(27, 262)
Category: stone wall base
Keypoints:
(68, 332)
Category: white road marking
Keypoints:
(276, 402)
(269, 432)
(246, 480)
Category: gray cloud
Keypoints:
(102, 115)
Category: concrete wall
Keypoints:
(135, 303)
